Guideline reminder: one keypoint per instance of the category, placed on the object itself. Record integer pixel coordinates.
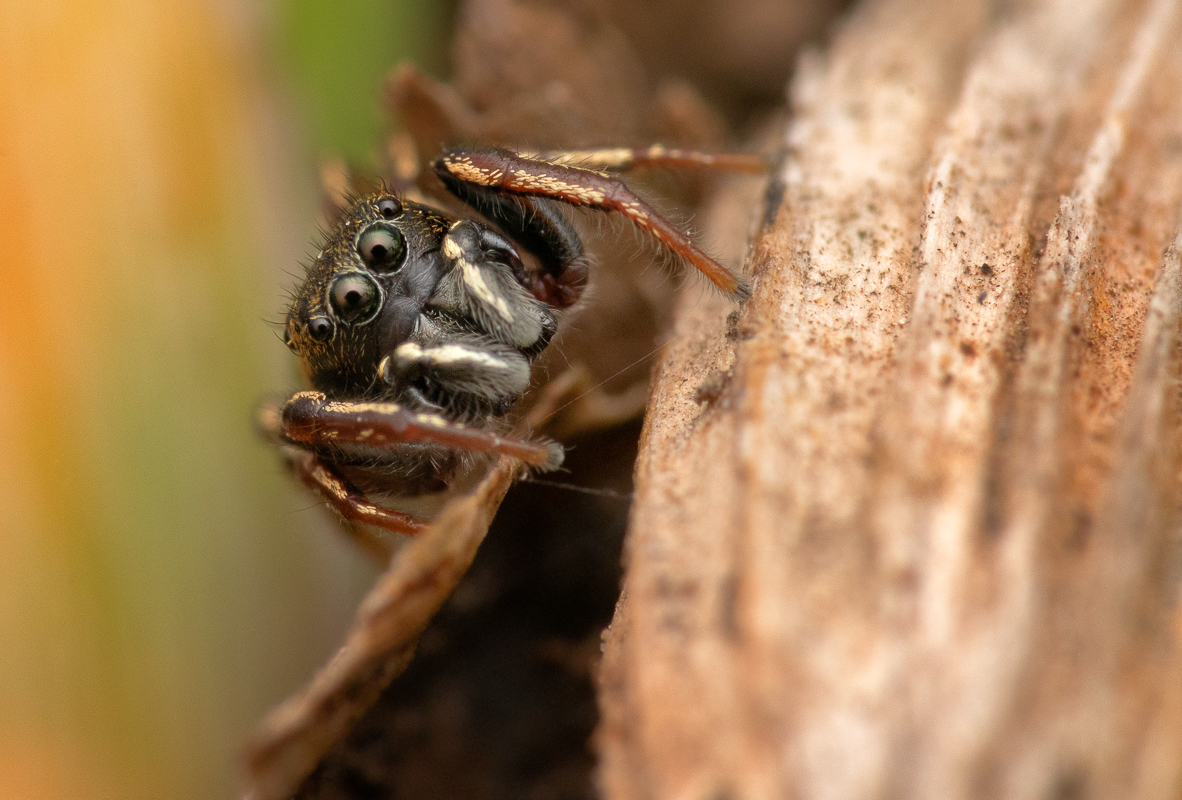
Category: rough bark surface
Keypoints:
(910, 528)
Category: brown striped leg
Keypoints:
(347, 500)
(502, 171)
(310, 418)
(620, 159)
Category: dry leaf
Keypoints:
(296, 735)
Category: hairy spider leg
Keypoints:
(341, 496)
(470, 173)
(347, 500)
(620, 159)
(310, 418)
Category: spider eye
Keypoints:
(389, 207)
(354, 298)
(381, 247)
(319, 328)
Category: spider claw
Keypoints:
(556, 455)
(742, 291)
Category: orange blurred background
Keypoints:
(162, 582)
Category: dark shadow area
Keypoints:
(500, 700)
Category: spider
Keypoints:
(417, 329)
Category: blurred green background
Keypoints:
(162, 582)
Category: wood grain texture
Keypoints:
(911, 527)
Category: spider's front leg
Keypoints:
(346, 499)
(332, 487)
(311, 425)
(312, 420)
(500, 183)
(619, 159)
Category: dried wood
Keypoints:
(912, 528)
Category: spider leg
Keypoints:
(311, 419)
(620, 159)
(337, 492)
(481, 177)
(345, 499)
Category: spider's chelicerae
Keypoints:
(417, 329)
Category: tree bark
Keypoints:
(910, 528)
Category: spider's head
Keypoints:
(363, 294)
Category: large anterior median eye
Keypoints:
(381, 247)
(354, 298)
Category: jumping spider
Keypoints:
(417, 329)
